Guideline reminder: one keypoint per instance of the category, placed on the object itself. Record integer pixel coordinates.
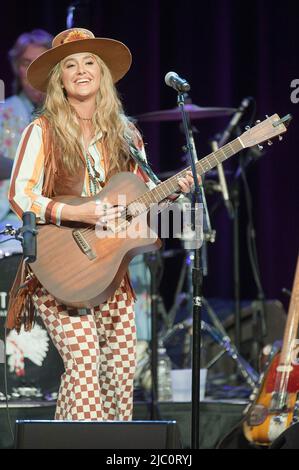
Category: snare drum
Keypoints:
(34, 366)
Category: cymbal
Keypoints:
(194, 111)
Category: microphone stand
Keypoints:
(197, 281)
(259, 306)
(233, 209)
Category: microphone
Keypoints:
(235, 120)
(223, 140)
(174, 81)
(223, 184)
(29, 233)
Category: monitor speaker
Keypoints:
(97, 435)
(289, 439)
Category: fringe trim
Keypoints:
(21, 311)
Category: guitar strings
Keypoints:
(124, 217)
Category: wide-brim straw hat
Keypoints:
(114, 53)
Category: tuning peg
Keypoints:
(267, 116)
(258, 121)
(270, 143)
(280, 138)
(247, 128)
(260, 147)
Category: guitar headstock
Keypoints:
(265, 131)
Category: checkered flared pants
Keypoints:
(99, 355)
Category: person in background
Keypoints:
(16, 113)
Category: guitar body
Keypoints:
(263, 423)
(74, 277)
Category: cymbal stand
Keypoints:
(216, 330)
(245, 369)
(219, 334)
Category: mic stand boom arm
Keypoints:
(220, 142)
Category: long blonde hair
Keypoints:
(65, 130)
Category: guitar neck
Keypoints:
(291, 329)
(264, 131)
(170, 186)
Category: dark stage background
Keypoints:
(227, 50)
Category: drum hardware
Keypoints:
(12, 233)
(25, 234)
(246, 371)
(9, 231)
(219, 335)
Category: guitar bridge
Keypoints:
(83, 245)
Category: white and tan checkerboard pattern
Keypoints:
(99, 355)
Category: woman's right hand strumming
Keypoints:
(93, 213)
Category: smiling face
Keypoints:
(80, 76)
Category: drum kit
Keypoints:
(34, 366)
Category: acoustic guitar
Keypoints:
(82, 269)
(275, 406)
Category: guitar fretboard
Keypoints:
(170, 186)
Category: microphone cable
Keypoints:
(6, 386)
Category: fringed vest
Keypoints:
(56, 183)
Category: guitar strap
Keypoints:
(140, 159)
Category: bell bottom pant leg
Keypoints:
(98, 352)
(116, 328)
(76, 340)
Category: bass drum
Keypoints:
(34, 366)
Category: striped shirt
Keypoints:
(26, 187)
